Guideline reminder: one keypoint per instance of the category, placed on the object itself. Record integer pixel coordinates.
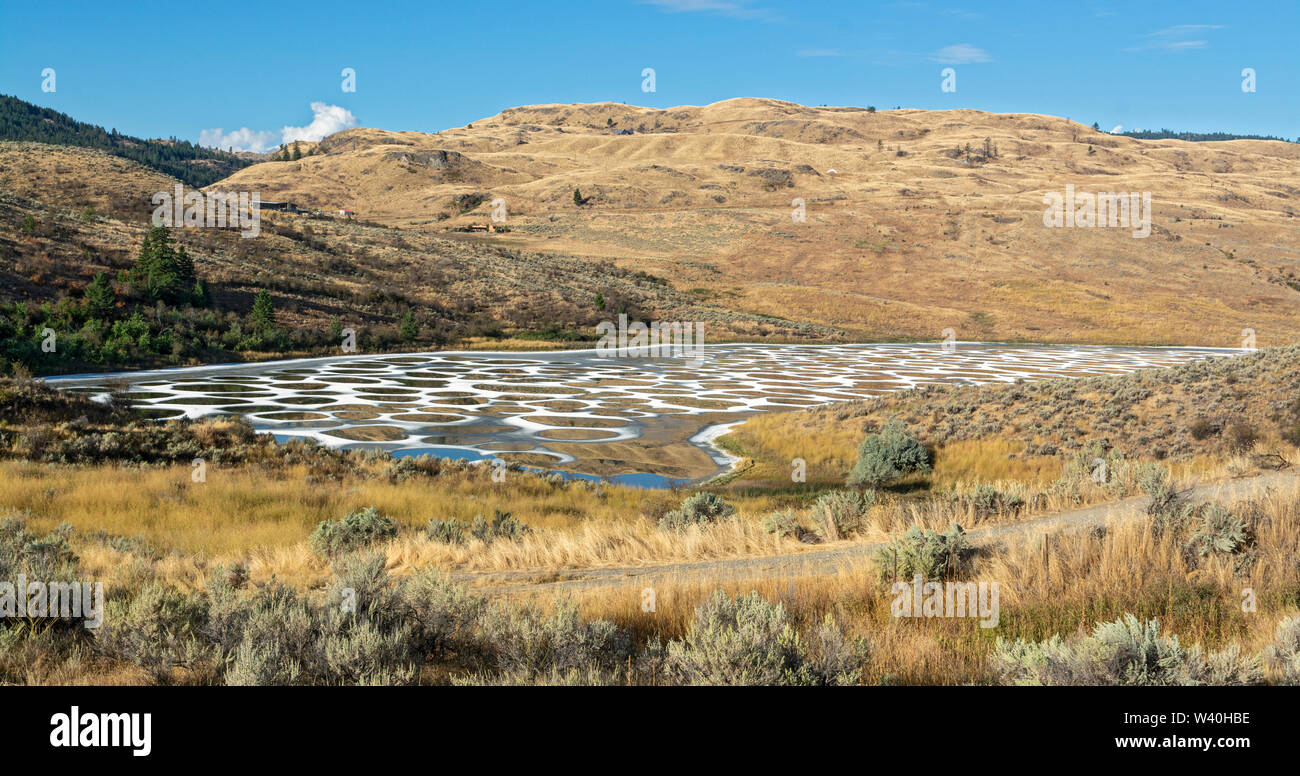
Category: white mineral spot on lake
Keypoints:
(475, 405)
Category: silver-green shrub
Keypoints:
(1283, 655)
(450, 531)
(530, 643)
(749, 641)
(697, 509)
(503, 525)
(158, 629)
(358, 529)
(784, 524)
(841, 513)
(987, 500)
(888, 455)
(931, 554)
(1124, 652)
(445, 616)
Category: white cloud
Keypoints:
(961, 54)
(739, 9)
(1118, 128)
(1182, 29)
(243, 139)
(1175, 38)
(326, 120)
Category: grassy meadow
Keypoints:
(464, 579)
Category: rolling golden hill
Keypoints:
(916, 220)
(67, 213)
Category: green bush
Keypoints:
(273, 638)
(698, 509)
(359, 529)
(1123, 652)
(1241, 437)
(921, 551)
(888, 455)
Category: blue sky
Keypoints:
(158, 69)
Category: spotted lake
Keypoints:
(643, 421)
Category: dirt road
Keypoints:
(846, 555)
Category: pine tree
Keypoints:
(156, 272)
(408, 329)
(262, 319)
(99, 295)
(184, 269)
(297, 154)
(577, 198)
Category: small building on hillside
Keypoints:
(347, 213)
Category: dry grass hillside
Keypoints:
(912, 233)
(67, 213)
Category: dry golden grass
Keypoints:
(903, 240)
(1080, 579)
(239, 508)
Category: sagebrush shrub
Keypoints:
(697, 509)
(931, 554)
(362, 588)
(1204, 428)
(888, 455)
(987, 500)
(841, 513)
(1166, 508)
(47, 558)
(1213, 529)
(1283, 655)
(503, 525)
(450, 531)
(1123, 652)
(157, 629)
(445, 615)
(275, 636)
(530, 643)
(784, 524)
(358, 529)
(359, 652)
(749, 641)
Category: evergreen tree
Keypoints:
(262, 319)
(577, 198)
(408, 329)
(99, 295)
(297, 154)
(156, 273)
(184, 269)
